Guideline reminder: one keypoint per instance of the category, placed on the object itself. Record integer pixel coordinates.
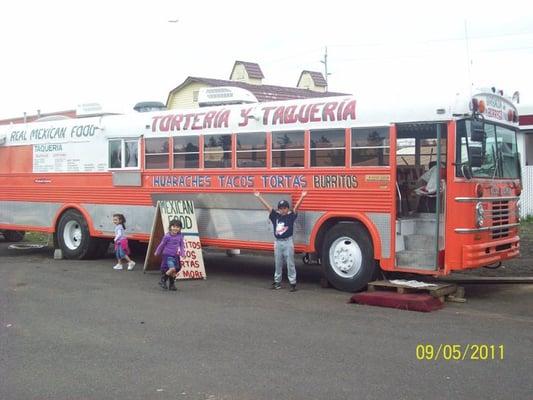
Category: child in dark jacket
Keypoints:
(171, 248)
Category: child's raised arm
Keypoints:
(304, 193)
(263, 201)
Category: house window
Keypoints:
(123, 153)
(156, 153)
(186, 152)
(217, 151)
(370, 146)
(195, 95)
(251, 150)
(288, 149)
(528, 148)
(328, 148)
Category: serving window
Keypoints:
(123, 153)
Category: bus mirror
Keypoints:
(478, 131)
(476, 156)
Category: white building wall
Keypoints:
(526, 198)
(525, 148)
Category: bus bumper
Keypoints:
(483, 254)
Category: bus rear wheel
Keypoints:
(348, 257)
(74, 238)
(13, 236)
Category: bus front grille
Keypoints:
(500, 216)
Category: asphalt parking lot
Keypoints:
(80, 330)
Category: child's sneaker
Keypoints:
(131, 265)
(293, 287)
(118, 266)
(276, 285)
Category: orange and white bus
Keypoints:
(360, 163)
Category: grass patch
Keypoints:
(526, 227)
(36, 237)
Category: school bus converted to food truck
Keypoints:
(359, 163)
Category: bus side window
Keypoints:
(156, 153)
(186, 152)
(123, 153)
(131, 153)
(328, 148)
(370, 146)
(115, 150)
(251, 150)
(288, 149)
(217, 151)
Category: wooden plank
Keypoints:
(439, 291)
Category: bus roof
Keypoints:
(315, 113)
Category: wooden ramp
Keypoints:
(437, 290)
(405, 297)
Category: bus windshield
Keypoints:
(496, 156)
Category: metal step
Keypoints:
(421, 242)
(416, 259)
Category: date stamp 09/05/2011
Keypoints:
(460, 352)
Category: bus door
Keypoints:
(420, 180)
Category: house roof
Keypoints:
(253, 69)
(31, 118)
(263, 93)
(317, 77)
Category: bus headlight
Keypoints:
(518, 210)
(480, 215)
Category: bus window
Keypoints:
(115, 154)
(251, 150)
(288, 149)
(186, 152)
(405, 151)
(156, 153)
(131, 148)
(217, 151)
(123, 153)
(370, 146)
(328, 148)
(428, 150)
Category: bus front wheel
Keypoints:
(348, 257)
(74, 238)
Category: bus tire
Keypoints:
(14, 236)
(348, 257)
(74, 238)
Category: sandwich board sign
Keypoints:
(192, 264)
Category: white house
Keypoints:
(525, 148)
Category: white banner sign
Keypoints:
(69, 157)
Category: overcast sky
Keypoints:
(57, 54)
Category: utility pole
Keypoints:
(325, 62)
